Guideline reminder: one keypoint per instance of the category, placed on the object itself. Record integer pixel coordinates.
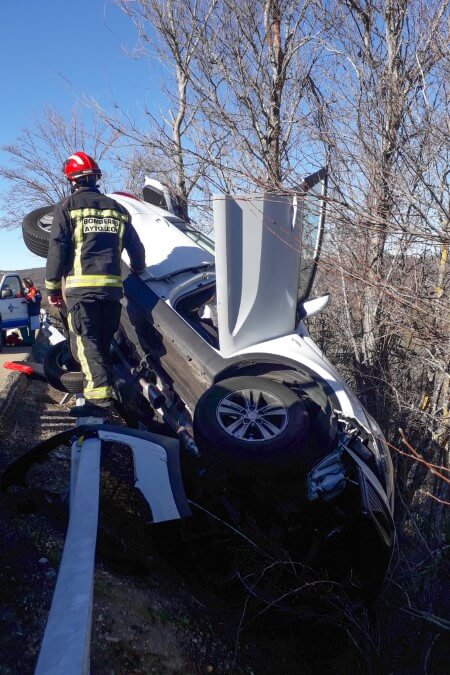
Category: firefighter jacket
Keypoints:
(89, 231)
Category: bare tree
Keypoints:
(34, 170)
(383, 85)
(241, 100)
(253, 80)
(166, 37)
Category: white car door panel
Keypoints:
(13, 307)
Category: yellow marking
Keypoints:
(52, 285)
(121, 231)
(78, 244)
(98, 213)
(82, 356)
(97, 392)
(93, 280)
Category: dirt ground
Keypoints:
(157, 608)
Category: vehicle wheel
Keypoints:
(58, 361)
(1, 335)
(36, 228)
(252, 422)
(72, 382)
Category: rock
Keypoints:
(43, 561)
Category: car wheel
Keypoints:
(58, 362)
(72, 382)
(252, 422)
(1, 335)
(36, 228)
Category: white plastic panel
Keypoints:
(66, 644)
(151, 474)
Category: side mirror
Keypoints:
(311, 307)
(7, 293)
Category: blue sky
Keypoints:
(51, 50)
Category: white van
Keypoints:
(13, 305)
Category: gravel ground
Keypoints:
(8, 379)
(146, 617)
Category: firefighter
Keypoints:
(89, 231)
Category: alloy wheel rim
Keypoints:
(45, 222)
(252, 415)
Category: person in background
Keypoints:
(33, 297)
(89, 231)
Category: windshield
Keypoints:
(197, 237)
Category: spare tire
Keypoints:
(36, 228)
(252, 422)
(58, 361)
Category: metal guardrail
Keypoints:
(65, 648)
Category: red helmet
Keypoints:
(79, 165)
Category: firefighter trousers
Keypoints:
(92, 324)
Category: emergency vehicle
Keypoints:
(13, 305)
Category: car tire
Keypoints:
(72, 382)
(1, 335)
(252, 422)
(59, 362)
(36, 228)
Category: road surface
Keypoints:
(8, 377)
(14, 354)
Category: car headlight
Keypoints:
(384, 459)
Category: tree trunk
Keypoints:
(272, 21)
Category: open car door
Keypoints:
(267, 249)
(13, 306)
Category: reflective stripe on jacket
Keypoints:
(89, 231)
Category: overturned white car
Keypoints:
(217, 328)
